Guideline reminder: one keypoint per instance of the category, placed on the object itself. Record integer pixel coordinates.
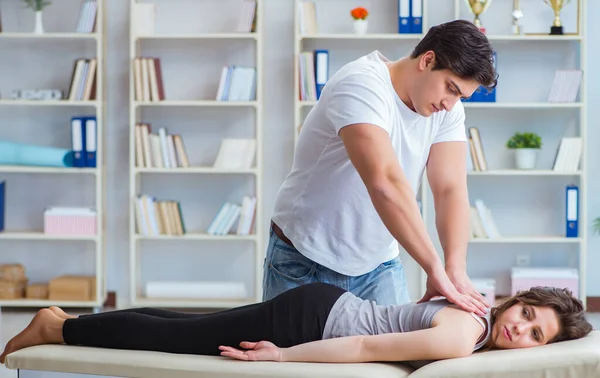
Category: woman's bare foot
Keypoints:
(45, 328)
(60, 313)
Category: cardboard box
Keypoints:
(37, 291)
(12, 272)
(12, 289)
(72, 288)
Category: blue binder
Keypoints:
(404, 20)
(2, 206)
(572, 211)
(321, 70)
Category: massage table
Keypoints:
(569, 359)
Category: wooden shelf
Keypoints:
(9, 102)
(528, 240)
(197, 170)
(47, 170)
(251, 36)
(192, 103)
(40, 235)
(197, 236)
(9, 35)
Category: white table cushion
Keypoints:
(569, 359)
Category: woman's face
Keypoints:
(525, 326)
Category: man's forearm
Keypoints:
(453, 225)
(395, 203)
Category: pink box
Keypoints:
(70, 221)
(486, 287)
(525, 278)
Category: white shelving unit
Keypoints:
(199, 111)
(66, 109)
(507, 108)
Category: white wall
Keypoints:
(278, 131)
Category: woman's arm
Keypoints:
(453, 337)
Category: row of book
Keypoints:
(158, 217)
(313, 71)
(482, 222)
(148, 79)
(234, 218)
(83, 80)
(160, 149)
(237, 83)
(86, 22)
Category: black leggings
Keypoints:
(294, 317)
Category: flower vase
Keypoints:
(525, 158)
(39, 27)
(360, 26)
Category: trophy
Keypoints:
(477, 8)
(556, 5)
(517, 14)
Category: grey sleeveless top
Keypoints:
(351, 316)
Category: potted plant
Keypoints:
(360, 19)
(526, 146)
(37, 6)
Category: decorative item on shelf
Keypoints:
(597, 225)
(477, 7)
(517, 14)
(526, 146)
(37, 94)
(557, 6)
(38, 6)
(360, 20)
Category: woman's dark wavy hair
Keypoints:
(571, 313)
(462, 48)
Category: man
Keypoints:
(350, 196)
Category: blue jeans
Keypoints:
(286, 268)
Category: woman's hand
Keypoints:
(261, 351)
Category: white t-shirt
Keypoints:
(323, 206)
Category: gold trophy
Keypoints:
(477, 8)
(557, 6)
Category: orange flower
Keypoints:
(359, 13)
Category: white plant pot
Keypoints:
(39, 27)
(360, 26)
(525, 158)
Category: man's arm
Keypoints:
(447, 176)
(371, 152)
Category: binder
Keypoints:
(404, 21)
(416, 16)
(572, 211)
(2, 205)
(321, 70)
(91, 143)
(78, 141)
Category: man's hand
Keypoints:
(463, 284)
(439, 284)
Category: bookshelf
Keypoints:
(514, 196)
(32, 188)
(192, 56)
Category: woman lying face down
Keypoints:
(321, 323)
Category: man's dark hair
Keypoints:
(462, 48)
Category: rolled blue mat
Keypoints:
(12, 153)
